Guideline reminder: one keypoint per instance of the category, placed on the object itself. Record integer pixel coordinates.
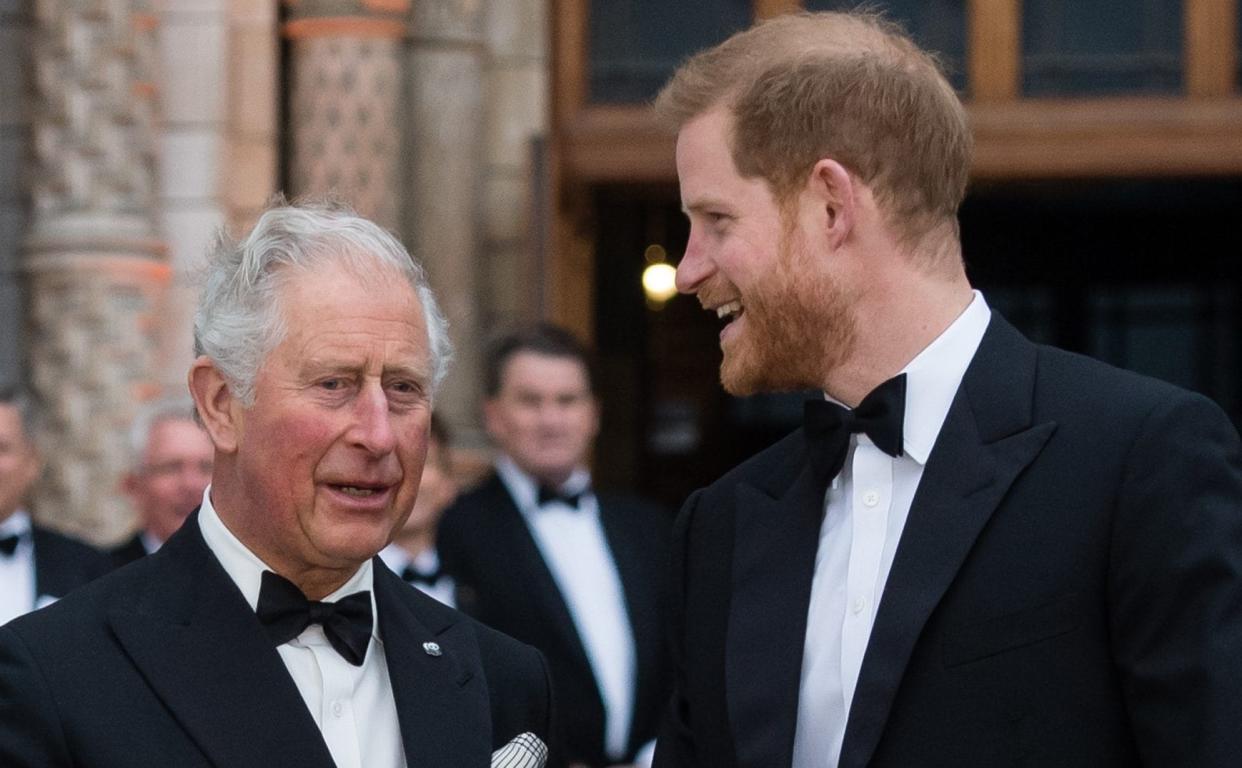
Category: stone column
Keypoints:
(516, 82)
(94, 263)
(15, 28)
(193, 58)
(345, 73)
(444, 167)
(253, 108)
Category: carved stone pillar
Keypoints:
(93, 262)
(516, 80)
(345, 73)
(445, 143)
(253, 110)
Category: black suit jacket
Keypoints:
(62, 564)
(487, 546)
(163, 663)
(1067, 590)
(128, 551)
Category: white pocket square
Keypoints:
(525, 751)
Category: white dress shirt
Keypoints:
(428, 561)
(150, 542)
(576, 551)
(17, 576)
(865, 511)
(353, 706)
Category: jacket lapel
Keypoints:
(525, 560)
(985, 443)
(200, 648)
(641, 600)
(776, 540)
(443, 710)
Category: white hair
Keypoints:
(239, 321)
(151, 415)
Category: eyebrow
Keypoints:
(704, 203)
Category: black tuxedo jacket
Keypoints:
(128, 551)
(1067, 590)
(63, 564)
(163, 663)
(487, 546)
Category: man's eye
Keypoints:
(332, 384)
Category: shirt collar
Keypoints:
(525, 489)
(150, 542)
(935, 374)
(17, 524)
(246, 569)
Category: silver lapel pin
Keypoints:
(432, 649)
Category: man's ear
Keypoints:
(217, 407)
(832, 189)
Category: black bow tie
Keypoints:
(548, 494)
(285, 612)
(8, 545)
(829, 426)
(411, 575)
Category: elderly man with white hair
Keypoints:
(265, 632)
(172, 457)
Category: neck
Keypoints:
(893, 325)
(316, 581)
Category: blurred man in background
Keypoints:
(573, 572)
(412, 554)
(37, 566)
(172, 455)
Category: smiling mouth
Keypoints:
(359, 491)
(729, 312)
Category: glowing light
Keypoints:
(659, 282)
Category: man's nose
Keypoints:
(372, 428)
(694, 267)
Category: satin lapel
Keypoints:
(641, 599)
(200, 648)
(773, 565)
(442, 705)
(985, 443)
(524, 560)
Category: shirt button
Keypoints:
(338, 708)
(859, 604)
(871, 498)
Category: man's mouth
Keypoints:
(361, 491)
(730, 311)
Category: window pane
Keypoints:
(1098, 47)
(936, 25)
(636, 44)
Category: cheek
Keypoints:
(290, 445)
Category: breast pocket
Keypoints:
(980, 640)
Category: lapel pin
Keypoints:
(432, 649)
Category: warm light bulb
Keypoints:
(659, 282)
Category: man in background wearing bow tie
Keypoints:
(979, 551)
(37, 565)
(265, 632)
(548, 560)
(413, 555)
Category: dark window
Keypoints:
(936, 25)
(636, 44)
(1101, 47)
